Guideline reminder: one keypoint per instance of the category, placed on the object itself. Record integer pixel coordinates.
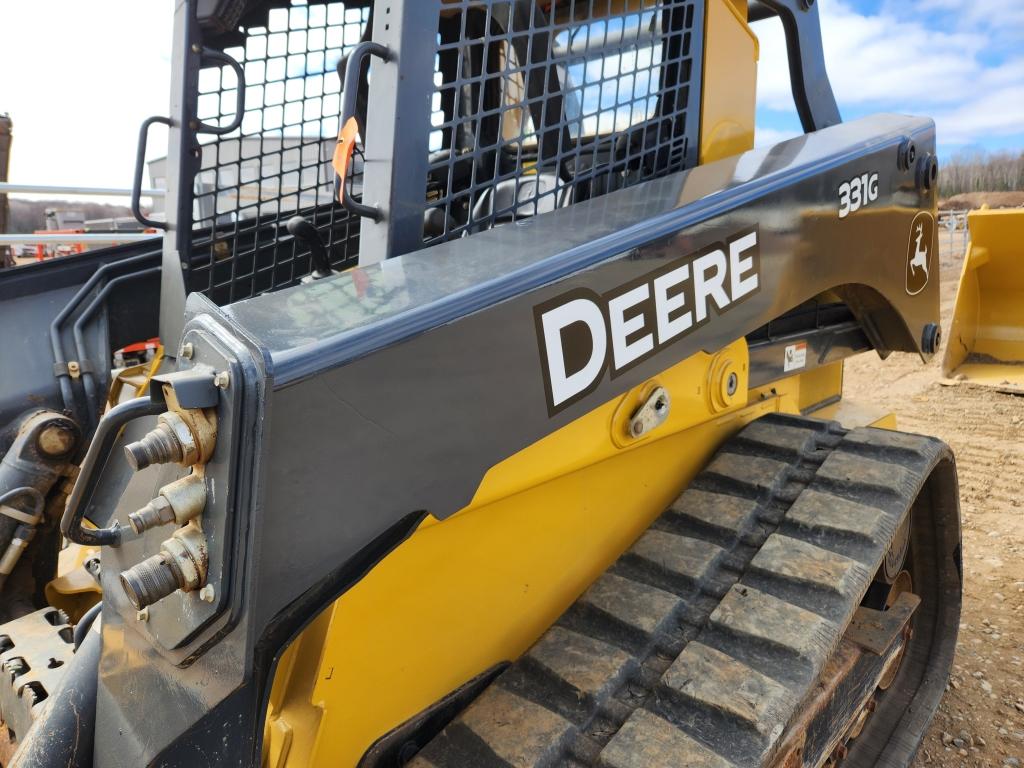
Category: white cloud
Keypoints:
(997, 109)
(1001, 20)
(77, 79)
(907, 59)
(876, 58)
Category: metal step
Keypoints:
(700, 645)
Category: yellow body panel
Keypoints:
(852, 414)
(986, 338)
(74, 590)
(477, 589)
(730, 82)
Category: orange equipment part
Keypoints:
(343, 153)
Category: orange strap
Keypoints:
(343, 152)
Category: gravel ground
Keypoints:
(981, 719)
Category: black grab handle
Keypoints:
(107, 432)
(140, 161)
(225, 60)
(353, 66)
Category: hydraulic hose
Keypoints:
(84, 623)
(67, 395)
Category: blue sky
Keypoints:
(78, 82)
(958, 61)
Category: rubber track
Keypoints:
(700, 643)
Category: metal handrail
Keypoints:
(7, 187)
(86, 238)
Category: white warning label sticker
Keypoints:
(796, 356)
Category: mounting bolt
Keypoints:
(142, 615)
(222, 380)
(187, 350)
(906, 156)
(931, 338)
(927, 172)
(207, 594)
(93, 566)
(732, 384)
(56, 439)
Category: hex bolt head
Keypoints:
(222, 380)
(56, 440)
(142, 615)
(187, 350)
(207, 594)
(732, 384)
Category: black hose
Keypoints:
(64, 730)
(55, 341)
(88, 377)
(85, 623)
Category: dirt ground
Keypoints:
(981, 719)
(970, 200)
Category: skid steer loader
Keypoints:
(496, 418)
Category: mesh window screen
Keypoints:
(541, 104)
(277, 163)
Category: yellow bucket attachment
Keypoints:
(986, 338)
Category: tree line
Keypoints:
(982, 172)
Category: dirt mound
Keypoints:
(972, 200)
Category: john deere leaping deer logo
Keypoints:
(919, 252)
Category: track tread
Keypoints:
(700, 643)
